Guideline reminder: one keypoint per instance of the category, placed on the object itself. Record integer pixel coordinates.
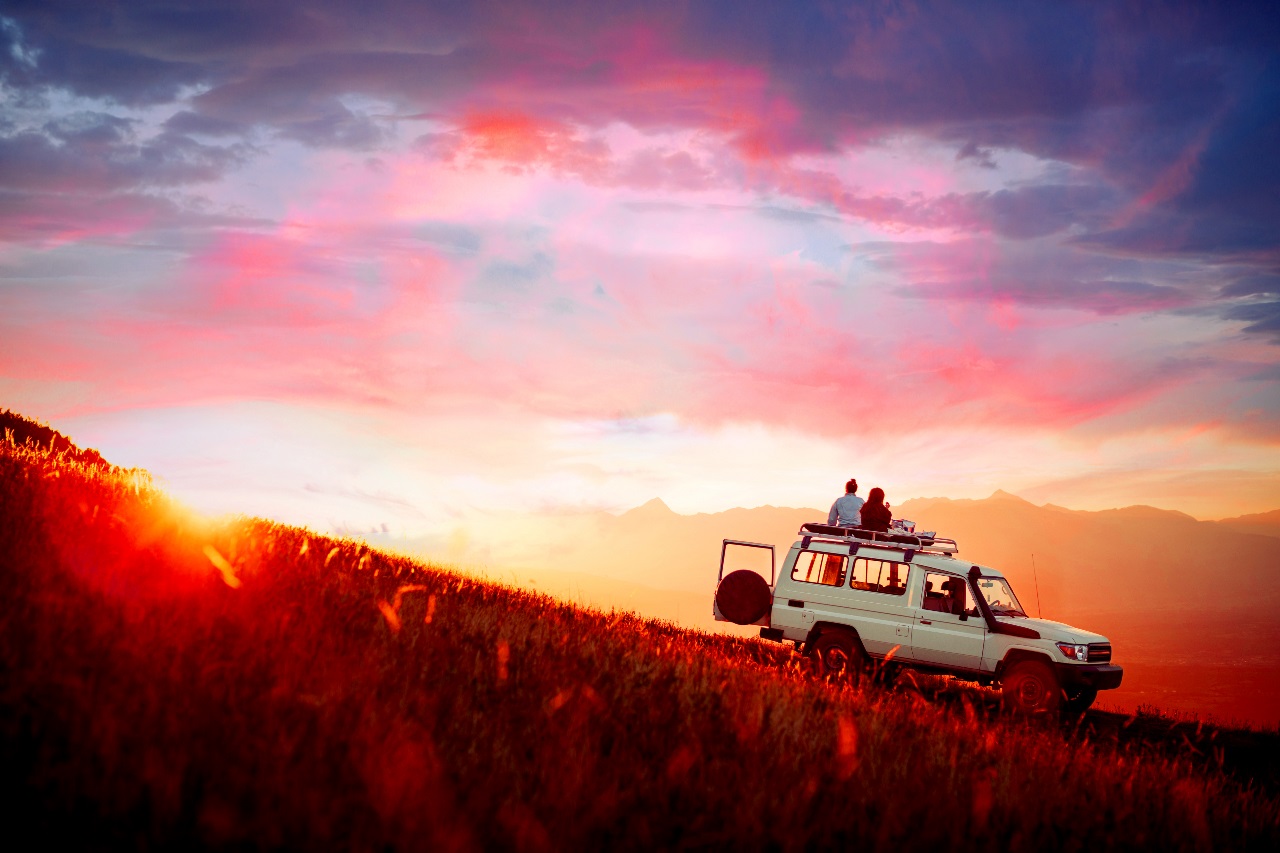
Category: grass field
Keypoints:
(172, 682)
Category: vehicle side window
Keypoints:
(815, 567)
(944, 593)
(880, 576)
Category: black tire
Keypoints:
(1079, 700)
(1030, 688)
(838, 655)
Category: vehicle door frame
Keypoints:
(798, 604)
(931, 625)
(773, 561)
(884, 621)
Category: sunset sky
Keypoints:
(376, 266)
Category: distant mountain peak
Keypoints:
(1272, 517)
(657, 506)
(1002, 495)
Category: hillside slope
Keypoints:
(170, 683)
(20, 430)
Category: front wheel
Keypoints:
(1030, 688)
(838, 655)
(1079, 700)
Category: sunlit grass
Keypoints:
(174, 681)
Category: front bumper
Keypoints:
(1097, 676)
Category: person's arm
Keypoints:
(834, 515)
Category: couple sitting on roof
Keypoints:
(849, 510)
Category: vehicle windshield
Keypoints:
(1000, 597)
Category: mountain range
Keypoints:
(1061, 562)
(1193, 607)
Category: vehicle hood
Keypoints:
(1059, 632)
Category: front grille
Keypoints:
(1099, 652)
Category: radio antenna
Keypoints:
(1036, 576)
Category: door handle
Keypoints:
(925, 622)
(793, 603)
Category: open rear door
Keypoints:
(751, 556)
(744, 586)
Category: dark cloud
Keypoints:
(1253, 284)
(1035, 211)
(1100, 297)
(1231, 203)
(187, 122)
(88, 152)
(1238, 173)
(338, 127)
(1020, 213)
(856, 71)
(980, 156)
(234, 32)
(973, 270)
(37, 217)
(1066, 80)
(297, 104)
(123, 76)
(1169, 231)
(1259, 317)
(89, 129)
(1170, 110)
(88, 175)
(1222, 199)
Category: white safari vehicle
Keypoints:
(851, 598)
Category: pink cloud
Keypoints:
(715, 341)
(520, 143)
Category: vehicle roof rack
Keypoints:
(896, 541)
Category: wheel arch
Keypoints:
(1016, 656)
(837, 627)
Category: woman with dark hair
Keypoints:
(875, 513)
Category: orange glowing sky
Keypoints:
(374, 269)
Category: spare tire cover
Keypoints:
(743, 597)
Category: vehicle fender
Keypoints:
(819, 627)
(1017, 655)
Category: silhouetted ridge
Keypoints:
(1002, 495)
(1262, 523)
(657, 506)
(26, 431)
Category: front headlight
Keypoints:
(1074, 651)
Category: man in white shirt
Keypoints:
(847, 510)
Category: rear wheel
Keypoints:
(1030, 687)
(838, 654)
(1079, 699)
